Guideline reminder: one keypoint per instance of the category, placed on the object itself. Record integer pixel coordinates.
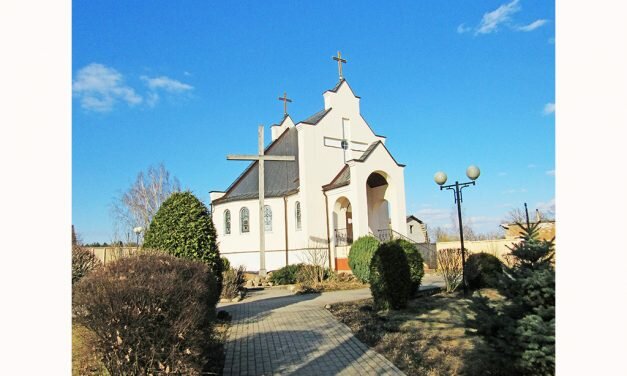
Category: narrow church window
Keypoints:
(267, 218)
(411, 229)
(298, 221)
(227, 222)
(243, 220)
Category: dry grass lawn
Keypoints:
(429, 337)
(84, 359)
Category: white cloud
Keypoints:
(463, 29)
(531, 165)
(532, 26)
(502, 173)
(549, 108)
(483, 220)
(163, 83)
(548, 206)
(551, 172)
(167, 84)
(100, 88)
(491, 20)
(433, 214)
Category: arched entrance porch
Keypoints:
(342, 231)
(377, 186)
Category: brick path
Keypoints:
(276, 333)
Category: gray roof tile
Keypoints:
(281, 176)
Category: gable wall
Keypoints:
(319, 164)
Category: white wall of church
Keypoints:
(241, 248)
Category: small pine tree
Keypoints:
(523, 331)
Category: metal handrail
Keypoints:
(342, 238)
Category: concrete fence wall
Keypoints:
(108, 254)
(496, 247)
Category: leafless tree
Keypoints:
(140, 202)
(441, 234)
(316, 260)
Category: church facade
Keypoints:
(343, 184)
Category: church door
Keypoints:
(349, 227)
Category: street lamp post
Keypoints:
(440, 178)
(138, 230)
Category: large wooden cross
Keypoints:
(339, 63)
(261, 158)
(285, 99)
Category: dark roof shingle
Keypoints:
(281, 177)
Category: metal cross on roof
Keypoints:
(285, 99)
(339, 60)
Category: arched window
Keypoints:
(243, 220)
(227, 221)
(267, 218)
(298, 221)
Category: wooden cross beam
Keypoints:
(285, 99)
(339, 60)
(261, 158)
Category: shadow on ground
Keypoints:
(256, 309)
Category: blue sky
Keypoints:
(449, 83)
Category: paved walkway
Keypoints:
(274, 332)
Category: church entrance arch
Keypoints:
(343, 222)
(378, 206)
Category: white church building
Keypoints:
(343, 184)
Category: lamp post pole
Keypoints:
(440, 178)
(138, 230)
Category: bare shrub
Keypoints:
(232, 282)
(83, 262)
(315, 260)
(151, 314)
(450, 267)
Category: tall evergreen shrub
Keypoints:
(360, 255)
(390, 279)
(415, 261)
(183, 228)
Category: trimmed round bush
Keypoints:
(152, 312)
(360, 255)
(286, 275)
(183, 227)
(390, 279)
(483, 270)
(416, 263)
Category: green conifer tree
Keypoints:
(522, 331)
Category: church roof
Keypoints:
(339, 84)
(409, 218)
(281, 177)
(371, 149)
(341, 179)
(315, 118)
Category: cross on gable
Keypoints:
(285, 99)
(339, 63)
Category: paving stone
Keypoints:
(274, 332)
